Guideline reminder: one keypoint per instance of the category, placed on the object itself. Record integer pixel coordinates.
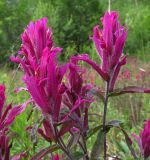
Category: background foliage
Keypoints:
(72, 23)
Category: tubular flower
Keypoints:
(109, 43)
(43, 76)
(7, 117)
(144, 140)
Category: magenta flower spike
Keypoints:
(9, 113)
(43, 75)
(7, 117)
(109, 43)
(144, 140)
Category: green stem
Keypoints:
(62, 145)
(104, 118)
(85, 148)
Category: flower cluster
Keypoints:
(42, 73)
(7, 117)
(109, 43)
(144, 140)
(43, 76)
(64, 105)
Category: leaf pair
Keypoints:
(97, 150)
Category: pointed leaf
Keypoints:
(129, 143)
(66, 126)
(42, 153)
(129, 89)
(15, 112)
(114, 123)
(93, 131)
(98, 146)
(117, 124)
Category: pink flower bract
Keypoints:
(43, 75)
(109, 43)
(7, 117)
(144, 140)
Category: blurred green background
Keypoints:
(72, 22)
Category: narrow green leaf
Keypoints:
(93, 131)
(98, 146)
(78, 155)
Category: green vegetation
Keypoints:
(72, 23)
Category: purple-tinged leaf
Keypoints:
(19, 156)
(129, 89)
(4, 116)
(79, 103)
(15, 112)
(49, 129)
(117, 124)
(41, 132)
(57, 107)
(42, 153)
(66, 126)
(129, 143)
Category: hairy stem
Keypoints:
(104, 117)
